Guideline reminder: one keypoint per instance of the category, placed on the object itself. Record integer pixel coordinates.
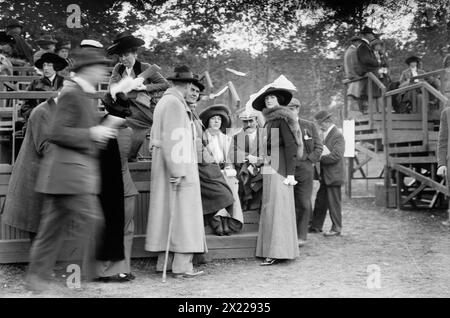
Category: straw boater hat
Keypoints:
(283, 95)
(91, 43)
(321, 116)
(124, 41)
(46, 39)
(58, 62)
(88, 56)
(216, 110)
(411, 59)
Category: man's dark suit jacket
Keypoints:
(332, 165)
(311, 140)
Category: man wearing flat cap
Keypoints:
(331, 177)
(146, 93)
(22, 53)
(175, 180)
(69, 176)
(304, 171)
(49, 64)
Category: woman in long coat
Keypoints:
(277, 235)
(23, 205)
(174, 157)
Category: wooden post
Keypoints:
(371, 105)
(344, 113)
(398, 190)
(387, 113)
(348, 185)
(425, 116)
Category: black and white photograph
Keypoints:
(235, 151)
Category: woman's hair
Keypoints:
(130, 50)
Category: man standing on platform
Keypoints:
(175, 212)
(69, 173)
(304, 172)
(331, 177)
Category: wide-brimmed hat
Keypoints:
(58, 62)
(91, 43)
(87, 56)
(283, 95)
(46, 39)
(182, 73)
(216, 110)
(6, 39)
(124, 41)
(62, 45)
(322, 115)
(119, 107)
(412, 59)
(198, 83)
(12, 23)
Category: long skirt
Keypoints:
(277, 235)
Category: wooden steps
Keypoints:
(241, 245)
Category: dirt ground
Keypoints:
(408, 250)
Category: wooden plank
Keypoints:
(5, 168)
(411, 149)
(19, 78)
(431, 183)
(414, 193)
(38, 95)
(404, 89)
(412, 160)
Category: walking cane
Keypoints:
(172, 198)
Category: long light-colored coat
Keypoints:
(172, 135)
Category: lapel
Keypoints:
(330, 135)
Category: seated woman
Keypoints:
(216, 119)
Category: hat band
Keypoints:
(184, 75)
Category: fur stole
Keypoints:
(284, 113)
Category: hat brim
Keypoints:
(216, 110)
(200, 86)
(124, 44)
(411, 59)
(181, 79)
(259, 103)
(58, 62)
(321, 120)
(44, 42)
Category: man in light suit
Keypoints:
(304, 172)
(331, 177)
(69, 174)
(443, 148)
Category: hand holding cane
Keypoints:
(174, 182)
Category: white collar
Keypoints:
(328, 131)
(85, 85)
(52, 78)
(365, 40)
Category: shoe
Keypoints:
(269, 261)
(226, 228)
(331, 233)
(130, 276)
(301, 243)
(188, 274)
(216, 225)
(105, 279)
(314, 230)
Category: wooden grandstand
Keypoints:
(405, 143)
(15, 244)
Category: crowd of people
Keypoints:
(73, 164)
(367, 53)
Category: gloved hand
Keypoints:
(252, 159)
(230, 172)
(290, 180)
(442, 171)
(138, 82)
